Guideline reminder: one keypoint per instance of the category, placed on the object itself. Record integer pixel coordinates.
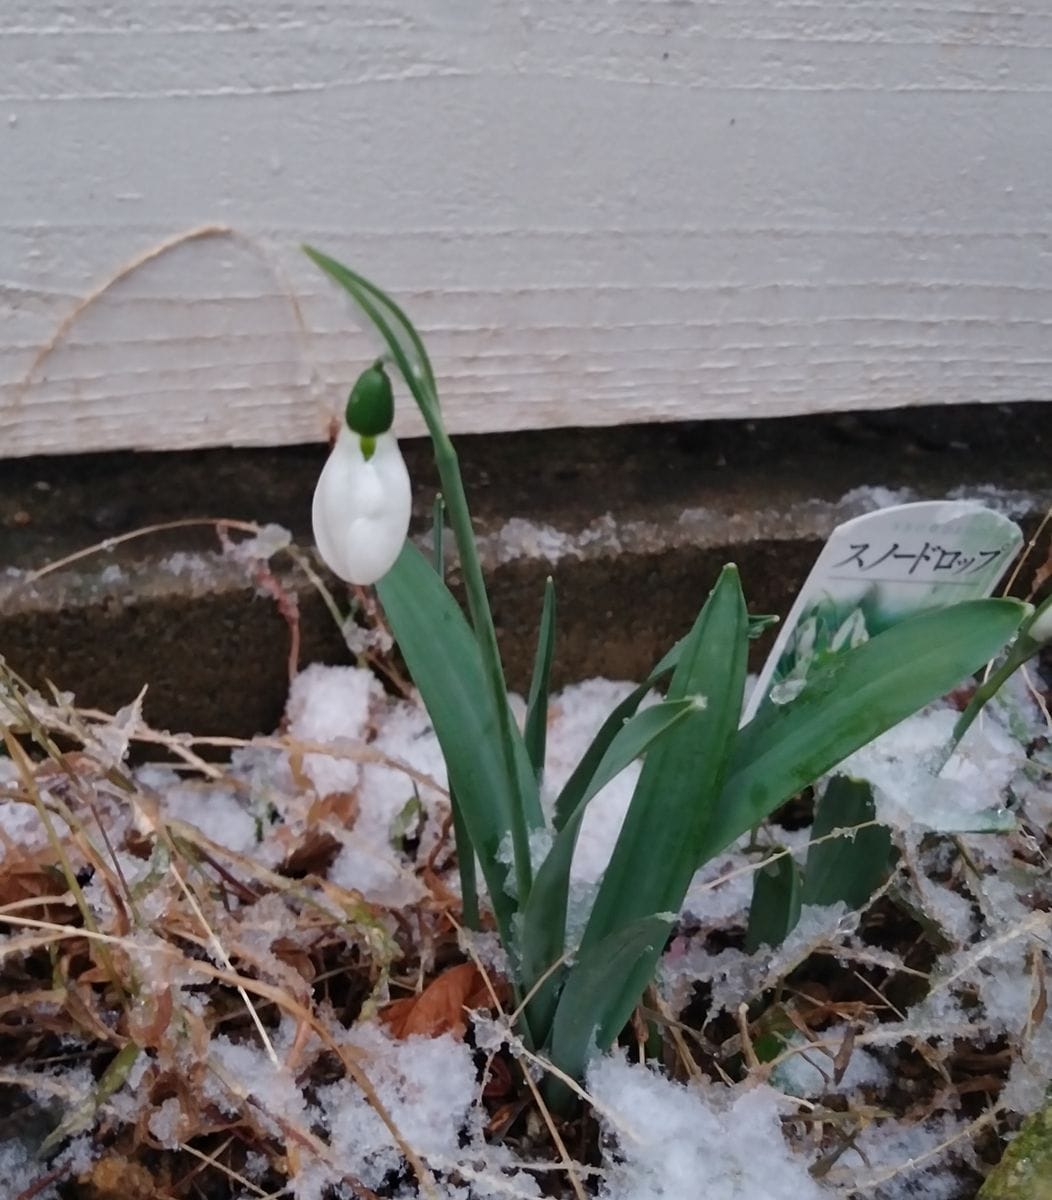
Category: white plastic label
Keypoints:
(876, 570)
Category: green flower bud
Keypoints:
(370, 406)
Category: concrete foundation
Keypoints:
(633, 523)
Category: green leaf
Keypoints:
(600, 994)
(847, 702)
(570, 796)
(536, 728)
(408, 821)
(1021, 651)
(469, 888)
(544, 915)
(655, 855)
(775, 907)
(657, 851)
(438, 527)
(575, 787)
(1025, 1171)
(403, 341)
(852, 867)
(444, 661)
(759, 623)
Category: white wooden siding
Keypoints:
(597, 211)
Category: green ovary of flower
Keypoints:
(370, 406)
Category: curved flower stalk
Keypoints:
(408, 354)
(363, 499)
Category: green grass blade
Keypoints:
(536, 729)
(759, 623)
(655, 855)
(849, 701)
(657, 851)
(544, 915)
(444, 661)
(1021, 651)
(83, 1115)
(848, 868)
(776, 902)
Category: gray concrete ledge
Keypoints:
(633, 524)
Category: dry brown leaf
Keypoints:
(440, 1006)
(341, 807)
(313, 854)
(116, 1178)
(149, 1020)
(843, 1055)
(30, 875)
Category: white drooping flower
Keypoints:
(363, 499)
(1040, 630)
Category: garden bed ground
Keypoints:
(278, 936)
(232, 964)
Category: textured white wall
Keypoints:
(597, 211)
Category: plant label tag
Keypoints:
(876, 570)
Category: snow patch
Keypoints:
(666, 1140)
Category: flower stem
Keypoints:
(1021, 652)
(407, 352)
(482, 621)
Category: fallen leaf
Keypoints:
(440, 1006)
(116, 1178)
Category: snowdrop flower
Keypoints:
(363, 499)
(1040, 630)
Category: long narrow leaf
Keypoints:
(438, 529)
(536, 728)
(544, 916)
(849, 701)
(599, 996)
(469, 897)
(775, 907)
(444, 661)
(570, 797)
(1021, 651)
(574, 788)
(657, 851)
(578, 783)
(408, 353)
(852, 867)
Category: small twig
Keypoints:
(748, 1050)
(196, 234)
(108, 544)
(42, 1183)
(673, 1026)
(224, 958)
(208, 1160)
(910, 1164)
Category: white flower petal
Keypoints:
(1041, 630)
(361, 508)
